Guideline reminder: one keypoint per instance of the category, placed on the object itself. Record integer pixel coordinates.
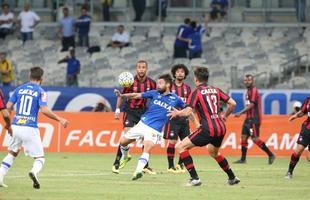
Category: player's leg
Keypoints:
(254, 131)
(170, 135)
(294, 160)
(183, 148)
(183, 132)
(244, 144)
(308, 154)
(213, 149)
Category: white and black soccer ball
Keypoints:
(125, 79)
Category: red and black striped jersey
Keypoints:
(2, 103)
(182, 91)
(305, 108)
(255, 113)
(205, 99)
(138, 87)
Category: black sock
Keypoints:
(188, 162)
(263, 146)
(243, 151)
(118, 156)
(223, 163)
(180, 162)
(170, 155)
(294, 160)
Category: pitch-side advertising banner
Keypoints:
(100, 133)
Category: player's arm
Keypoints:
(247, 107)
(231, 106)
(186, 112)
(119, 103)
(296, 115)
(193, 118)
(7, 119)
(50, 114)
(128, 95)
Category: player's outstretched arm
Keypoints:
(180, 113)
(247, 107)
(296, 115)
(193, 118)
(47, 112)
(128, 95)
(231, 106)
(118, 107)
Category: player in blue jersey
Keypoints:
(29, 99)
(152, 121)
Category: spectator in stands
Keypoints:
(73, 68)
(27, 20)
(120, 39)
(83, 26)
(67, 30)
(7, 74)
(300, 6)
(6, 21)
(102, 106)
(139, 7)
(182, 40)
(195, 44)
(161, 5)
(106, 4)
(219, 9)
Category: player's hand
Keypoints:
(64, 122)
(10, 131)
(292, 118)
(117, 113)
(238, 114)
(117, 93)
(173, 113)
(224, 118)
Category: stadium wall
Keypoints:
(100, 133)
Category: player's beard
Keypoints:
(180, 79)
(141, 75)
(161, 90)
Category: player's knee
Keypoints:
(179, 147)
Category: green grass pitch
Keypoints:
(88, 176)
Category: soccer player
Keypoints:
(252, 121)
(29, 98)
(133, 109)
(152, 121)
(5, 115)
(177, 128)
(303, 139)
(205, 99)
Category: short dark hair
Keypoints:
(5, 5)
(179, 66)
(142, 61)
(65, 9)
(167, 78)
(202, 74)
(36, 73)
(187, 20)
(84, 7)
(249, 76)
(193, 24)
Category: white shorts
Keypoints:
(29, 138)
(142, 131)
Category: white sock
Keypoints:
(124, 151)
(143, 160)
(7, 162)
(37, 165)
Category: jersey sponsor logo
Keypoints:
(162, 104)
(209, 91)
(29, 92)
(172, 97)
(21, 121)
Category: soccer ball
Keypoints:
(125, 79)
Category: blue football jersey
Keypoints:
(28, 99)
(156, 114)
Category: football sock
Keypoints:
(124, 151)
(180, 162)
(263, 146)
(223, 163)
(143, 160)
(170, 155)
(7, 162)
(244, 149)
(188, 162)
(38, 165)
(118, 156)
(294, 160)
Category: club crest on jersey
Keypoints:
(162, 104)
(44, 96)
(171, 97)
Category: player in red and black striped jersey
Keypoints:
(304, 137)
(205, 99)
(5, 113)
(177, 128)
(133, 109)
(252, 121)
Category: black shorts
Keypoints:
(251, 128)
(304, 137)
(132, 117)
(176, 128)
(202, 138)
(180, 52)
